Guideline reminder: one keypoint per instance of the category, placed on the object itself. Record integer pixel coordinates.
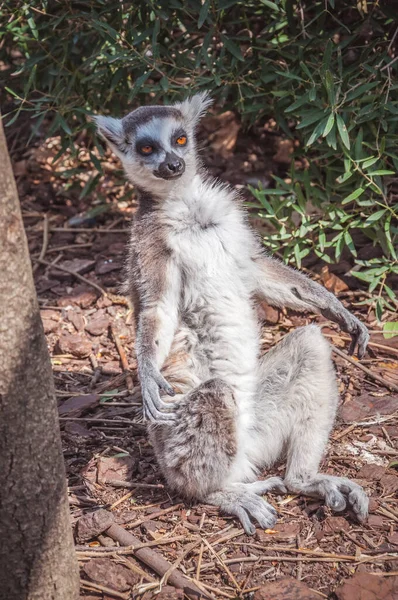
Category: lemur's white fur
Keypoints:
(195, 269)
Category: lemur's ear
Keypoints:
(194, 108)
(109, 128)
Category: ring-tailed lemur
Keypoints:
(194, 269)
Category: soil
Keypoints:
(77, 224)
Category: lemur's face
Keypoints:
(156, 142)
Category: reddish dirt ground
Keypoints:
(77, 226)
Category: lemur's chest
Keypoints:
(206, 249)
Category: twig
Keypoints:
(338, 436)
(77, 275)
(102, 588)
(204, 586)
(173, 567)
(134, 524)
(387, 513)
(199, 562)
(133, 485)
(129, 549)
(387, 384)
(371, 344)
(108, 421)
(88, 230)
(68, 247)
(123, 360)
(153, 560)
(224, 566)
(135, 568)
(44, 244)
(122, 499)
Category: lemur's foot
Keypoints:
(243, 501)
(155, 409)
(337, 492)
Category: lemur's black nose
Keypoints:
(174, 166)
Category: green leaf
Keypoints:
(203, 13)
(106, 396)
(316, 133)
(353, 196)
(329, 84)
(379, 309)
(329, 125)
(370, 162)
(375, 217)
(33, 27)
(271, 5)
(381, 172)
(341, 126)
(350, 243)
(390, 329)
(232, 48)
(64, 125)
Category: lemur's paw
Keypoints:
(254, 507)
(155, 409)
(339, 491)
(359, 336)
(271, 484)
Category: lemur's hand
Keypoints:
(155, 409)
(351, 325)
(359, 335)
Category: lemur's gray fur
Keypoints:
(195, 268)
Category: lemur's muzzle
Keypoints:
(172, 167)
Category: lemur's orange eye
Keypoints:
(182, 140)
(146, 149)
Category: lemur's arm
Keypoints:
(281, 286)
(156, 288)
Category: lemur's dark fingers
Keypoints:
(363, 340)
(359, 338)
(153, 415)
(164, 385)
(150, 387)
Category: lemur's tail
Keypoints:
(197, 451)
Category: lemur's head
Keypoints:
(156, 144)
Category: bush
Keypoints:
(324, 70)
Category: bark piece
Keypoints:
(75, 344)
(76, 429)
(75, 317)
(78, 265)
(389, 483)
(78, 405)
(285, 589)
(371, 472)
(92, 524)
(281, 531)
(366, 586)
(365, 406)
(121, 468)
(82, 295)
(98, 325)
(110, 574)
(107, 265)
(170, 593)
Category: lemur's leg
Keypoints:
(296, 409)
(197, 451)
